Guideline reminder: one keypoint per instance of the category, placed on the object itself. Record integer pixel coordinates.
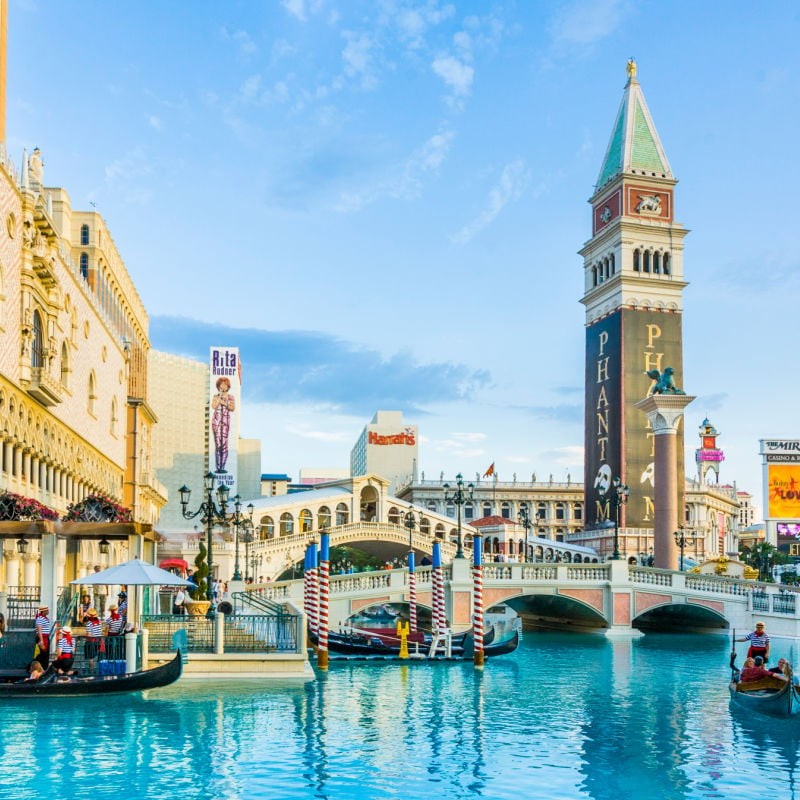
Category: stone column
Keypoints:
(664, 411)
(30, 562)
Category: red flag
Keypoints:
(489, 471)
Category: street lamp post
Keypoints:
(410, 521)
(619, 497)
(525, 521)
(239, 521)
(682, 539)
(459, 496)
(209, 513)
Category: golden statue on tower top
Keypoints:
(630, 69)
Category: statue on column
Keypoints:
(664, 382)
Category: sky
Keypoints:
(381, 203)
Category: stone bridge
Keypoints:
(269, 558)
(613, 597)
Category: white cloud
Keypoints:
(242, 39)
(587, 21)
(358, 60)
(518, 459)
(456, 74)
(249, 90)
(154, 122)
(513, 180)
(296, 8)
(322, 436)
(405, 180)
(569, 456)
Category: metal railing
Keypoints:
(22, 605)
(261, 633)
(200, 632)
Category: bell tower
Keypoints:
(633, 286)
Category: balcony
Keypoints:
(44, 388)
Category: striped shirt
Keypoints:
(114, 625)
(759, 640)
(66, 646)
(123, 608)
(94, 629)
(44, 625)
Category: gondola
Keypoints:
(368, 644)
(769, 696)
(54, 685)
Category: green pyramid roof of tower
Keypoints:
(634, 146)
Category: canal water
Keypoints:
(566, 716)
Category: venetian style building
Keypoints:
(75, 418)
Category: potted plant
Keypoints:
(199, 605)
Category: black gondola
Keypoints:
(51, 684)
(367, 644)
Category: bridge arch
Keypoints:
(558, 611)
(684, 617)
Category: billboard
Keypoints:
(225, 383)
(783, 491)
(651, 340)
(603, 417)
(620, 349)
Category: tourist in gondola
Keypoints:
(753, 670)
(35, 671)
(759, 642)
(44, 627)
(65, 652)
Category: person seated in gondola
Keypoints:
(35, 671)
(785, 668)
(753, 670)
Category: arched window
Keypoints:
(342, 514)
(511, 547)
(594, 276)
(306, 521)
(541, 511)
(114, 416)
(636, 261)
(505, 510)
(84, 235)
(425, 526)
(324, 517)
(657, 262)
(469, 511)
(577, 512)
(267, 528)
(287, 524)
(394, 516)
(37, 348)
(450, 510)
(487, 509)
(611, 261)
(560, 514)
(646, 261)
(439, 532)
(85, 266)
(665, 264)
(64, 365)
(577, 558)
(431, 505)
(92, 391)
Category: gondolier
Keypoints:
(44, 627)
(759, 642)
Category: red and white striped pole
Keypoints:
(324, 588)
(314, 589)
(439, 612)
(477, 600)
(412, 594)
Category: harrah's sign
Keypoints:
(398, 438)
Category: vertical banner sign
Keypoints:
(224, 410)
(603, 424)
(651, 341)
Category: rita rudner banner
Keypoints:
(225, 394)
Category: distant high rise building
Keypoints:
(633, 271)
(387, 447)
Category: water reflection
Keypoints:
(564, 717)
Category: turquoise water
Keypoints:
(564, 717)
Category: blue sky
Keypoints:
(381, 203)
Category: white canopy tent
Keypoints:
(133, 573)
